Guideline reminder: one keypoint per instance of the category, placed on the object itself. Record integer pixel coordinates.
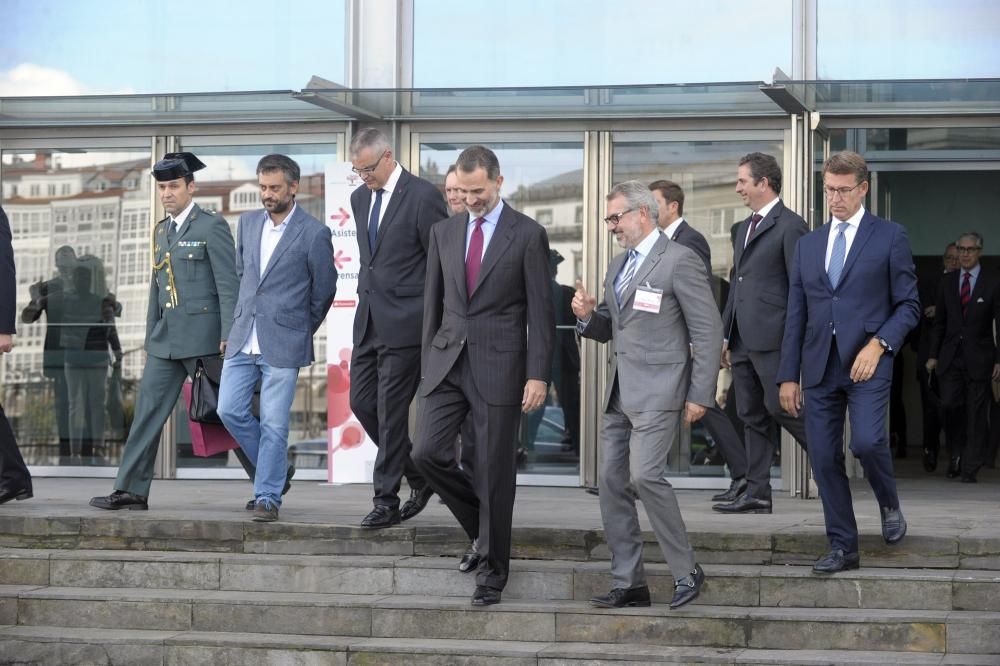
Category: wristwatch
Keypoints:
(885, 345)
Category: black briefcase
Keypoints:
(205, 390)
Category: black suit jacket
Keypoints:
(513, 296)
(690, 237)
(973, 335)
(391, 279)
(758, 294)
(8, 283)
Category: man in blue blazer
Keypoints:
(852, 299)
(284, 258)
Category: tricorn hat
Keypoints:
(176, 165)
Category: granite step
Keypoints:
(112, 647)
(408, 617)
(727, 585)
(967, 550)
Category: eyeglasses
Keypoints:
(832, 192)
(965, 249)
(616, 218)
(369, 170)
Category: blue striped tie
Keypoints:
(625, 277)
(836, 266)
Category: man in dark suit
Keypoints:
(754, 321)
(852, 300)
(930, 399)
(670, 200)
(964, 353)
(394, 211)
(15, 481)
(487, 285)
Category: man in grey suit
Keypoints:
(284, 258)
(394, 211)
(191, 298)
(754, 322)
(487, 285)
(659, 311)
(670, 200)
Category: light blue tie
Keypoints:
(837, 255)
(625, 277)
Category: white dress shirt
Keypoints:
(270, 236)
(763, 213)
(490, 221)
(387, 190)
(672, 228)
(849, 233)
(181, 218)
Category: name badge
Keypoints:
(647, 299)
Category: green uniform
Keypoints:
(192, 295)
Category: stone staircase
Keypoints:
(147, 590)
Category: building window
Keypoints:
(544, 217)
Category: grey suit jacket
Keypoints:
(512, 298)
(661, 360)
(391, 279)
(291, 299)
(758, 295)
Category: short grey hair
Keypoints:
(372, 138)
(637, 195)
(974, 235)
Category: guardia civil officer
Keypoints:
(192, 294)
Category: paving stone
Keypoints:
(976, 591)
(272, 613)
(802, 629)
(979, 552)
(650, 626)
(974, 633)
(210, 648)
(439, 541)
(130, 533)
(882, 588)
(23, 567)
(65, 645)
(66, 611)
(316, 574)
(307, 539)
(192, 575)
(441, 652)
(441, 617)
(21, 531)
(441, 577)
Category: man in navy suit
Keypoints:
(394, 211)
(852, 299)
(963, 352)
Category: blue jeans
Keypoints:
(264, 440)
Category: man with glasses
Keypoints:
(659, 310)
(964, 354)
(754, 322)
(852, 300)
(394, 211)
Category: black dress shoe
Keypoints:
(251, 504)
(687, 588)
(745, 504)
(954, 466)
(930, 460)
(592, 490)
(470, 561)
(836, 560)
(893, 525)
(485, 596)
(381, 516)
(19, 494)
(418, 500)
(736, 488)
(120, 500)
(621, 597)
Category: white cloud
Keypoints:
(28, 80)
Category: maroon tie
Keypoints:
(475, 257)
(965, 294)
(753, 227)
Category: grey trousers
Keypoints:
(635, 447)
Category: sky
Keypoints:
(72, 47)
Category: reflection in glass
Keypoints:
(79, 222)
(706, 171)
(543, 180)
(228, 186)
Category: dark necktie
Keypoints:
(754, 221)
(475, 257)
(965, 294)
(171, 231)
(373, 220)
